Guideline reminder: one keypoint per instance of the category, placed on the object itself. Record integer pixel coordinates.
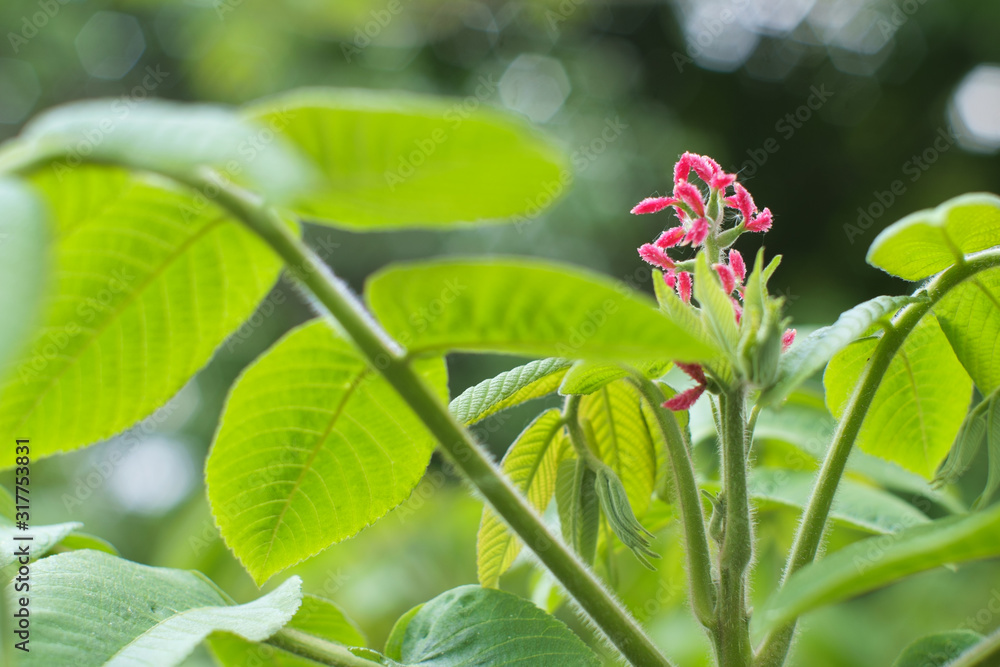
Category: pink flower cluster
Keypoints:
(692, 207)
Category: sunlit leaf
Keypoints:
(523, 306)
(876, 562)
(929, 241)
(970, 318)
(401, 160)
(919, 406)
(586, 377)
(532, 380)
(313, 446)
(146, 285)
(159, 614)
(530, 464)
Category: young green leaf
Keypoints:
(44, 539)
(159, 614)
(929, 241)
(812, 353)
(313, 446)
(167, 137)
(23, 264)
(530, 464)
(937, 650)
(523, 306)
(992, 451)
(878, 561)
(483, 627)
(680, 313)
(579, 510)
(716, 307)
(970, 318)
(146, 285)
(622, 439)
(532, 380)
(621, 519)
(919, 406)
(400, 160)
(586, 377)
(316, 617)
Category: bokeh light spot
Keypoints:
(110, 44)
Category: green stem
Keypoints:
(737, 542)
(983, 654)
(699, 556)
(317, 649)
(774, 649)
(577, 438)
(469, 457)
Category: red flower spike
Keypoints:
(727, 277)
(738, 266)
(653, 205)
(685, 399)
(655, 256)
(787, 339)
(670, 278)
(721, 180)
(690, 195)
(683, 167)
(761, 222)
(743, 202)
(698, 232)
(737, 309)
(670, 238)
(694, 371)
(684, 286)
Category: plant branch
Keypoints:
(774, 649)
(317, 649)
(386, 356)
(699, 556)
(737, 542)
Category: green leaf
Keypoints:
(159, 614)
(165, 137)
(313, 446)
(523, 306)
(586, 377)
(993, 451)
(518, 385)
(870, 564)
(929, 241)
(43, 539)
(145, 287)
(621, 519)
(682, 314)
(317, 617)
(861, 506)
(716, 307)
(813, 352)
(393, 160)
(483, 627)
(394, 643)
(970, 317)
(919, 406)
(579, 509)
(530, 464)
(937, 650)
(621, 437)
(23, 264)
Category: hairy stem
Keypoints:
(699, 557)
(317, 649)
(469, 457)
(737, 542)
(774, 649)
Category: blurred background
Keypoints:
(842, 116)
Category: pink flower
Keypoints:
(761, 222)
(737, 309)
(670, 238)
(686, 399)
(742, 201)
(683, 167)
(721, 180)
(738, 266)
(653, 205)
(655, 256)
(691, 196)
(684, 286)
(726, 276)
(698, 232)
(787, 339)
(670, 278)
